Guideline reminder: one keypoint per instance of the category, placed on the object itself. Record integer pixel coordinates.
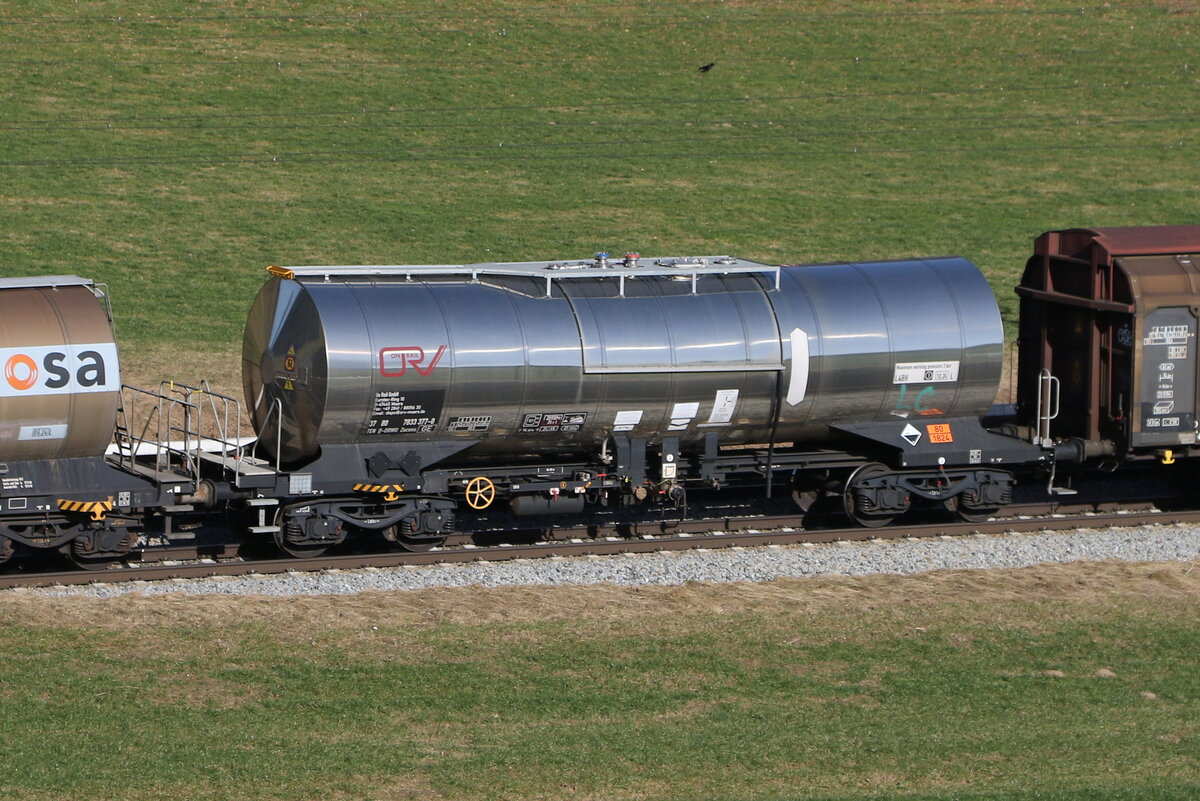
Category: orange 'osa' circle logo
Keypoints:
(21, 372)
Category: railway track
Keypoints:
(174, 562)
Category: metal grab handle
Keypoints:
(1049, 396)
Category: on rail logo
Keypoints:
(20, 371)
(395, 362)
(49, 370)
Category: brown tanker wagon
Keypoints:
(62, 380)
(60, 400)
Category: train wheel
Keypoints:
(291, 538)
(93, 562)
(412, 542)
(298, 551)
(969, 514)
(975, 515)
(6, 549)
(856, 502)
(101, 548)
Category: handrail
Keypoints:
(278, 432)
(633, 266)
(1048, 406)
(224, 420)
(184, 426)
(275, 410)
(155, 430)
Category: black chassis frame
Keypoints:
(109, 498)
(369, 488)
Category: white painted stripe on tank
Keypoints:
(798, 384)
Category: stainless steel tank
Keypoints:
(61, 380)
(546, 359)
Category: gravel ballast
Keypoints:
(905, 556)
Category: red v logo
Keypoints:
(395, 362)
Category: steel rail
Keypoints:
(644, 537)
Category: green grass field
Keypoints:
(1068, 683)
(175, 150)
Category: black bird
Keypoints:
(708, 66)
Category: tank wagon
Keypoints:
(410, 402)
(60, 403)
(552, 385)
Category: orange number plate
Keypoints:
(939, 433)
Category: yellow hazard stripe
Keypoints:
(380, 488)
(85, 506)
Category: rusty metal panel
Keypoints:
(1114, 313)
(1158, 281)
(1146, 240)
(1102, 245)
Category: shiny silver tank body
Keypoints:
(544, 360)
(61, 381)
